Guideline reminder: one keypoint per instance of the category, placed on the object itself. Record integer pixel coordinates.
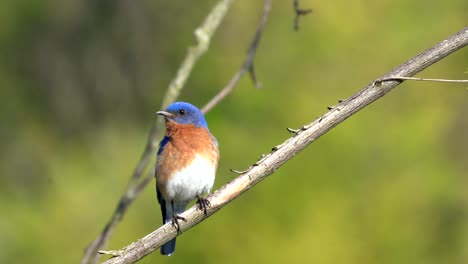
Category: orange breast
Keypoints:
(185, 142)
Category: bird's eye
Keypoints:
(182, 111)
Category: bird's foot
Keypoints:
(175, 222)
(203, 204)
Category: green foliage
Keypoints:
(80, 83)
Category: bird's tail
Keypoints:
(168, 210)
(168, 248)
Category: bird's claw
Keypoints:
(203, 204)
(175, 222)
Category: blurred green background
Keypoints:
(80, 82)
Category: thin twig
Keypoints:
(291, 147)
(298, 13)
(241, 171)
(400, 78)
(292, 130)
(247, 66)
(203, 35)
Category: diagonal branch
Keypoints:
(203, 35)
(247, 66)
(282, 153)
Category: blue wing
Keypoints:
(163, 144)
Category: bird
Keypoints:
(186, 164)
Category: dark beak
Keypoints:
(166, 114)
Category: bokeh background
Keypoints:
(80, 82)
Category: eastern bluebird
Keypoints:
(186, 167)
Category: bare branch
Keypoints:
(298, 13)
(203, 35)
(400, 78)
(291, 147)
(247, 66)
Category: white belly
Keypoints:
(192, 181)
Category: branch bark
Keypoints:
(282, 153)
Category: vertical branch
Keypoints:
(203, 35)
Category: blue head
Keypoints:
(184, 113)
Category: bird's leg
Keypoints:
(176, 218)
(203, 204)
